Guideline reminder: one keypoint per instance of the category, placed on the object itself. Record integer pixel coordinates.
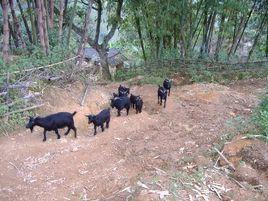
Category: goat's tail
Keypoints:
(74, 113)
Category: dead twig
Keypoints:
(224, 158)
(14, 166)
(84, 95)
(22, 110)
(237, 182)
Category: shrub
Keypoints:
(260, 118)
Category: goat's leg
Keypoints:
(57, 133)
(74, 129)
(95, 130)
(107, 124)
(118, 113)
(158, 99)
(165, 100)
(168, 92)
(161, 100)
(127, 110)
(45, 137)
(102, 127)
(67, 132)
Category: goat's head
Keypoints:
(31, 123)
(91, 118)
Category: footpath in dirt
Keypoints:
(162, 153)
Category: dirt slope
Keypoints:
(160, 153)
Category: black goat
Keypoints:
(138, 104)
(120, 103)
(123, 91)
(53, 123)
(98, 120)
(167, 85)
(133, 100)
(162, 95)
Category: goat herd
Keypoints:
(119, 101)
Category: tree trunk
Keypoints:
(65, 8)
(51, 16)
(241, 35)
(60, 20)
(236, 36)
(33, 21)
(104, 64)
(16, 24)
(175, 37)
(25, 22)
(40, 25)
(13, 34)
(205, 30)
(210, 34)
(5, 30)
(257, 36)
(81, 49)
(220, 37)
(71, 23)
(138, 26)
(266, 49)
(46, 39)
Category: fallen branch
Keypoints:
(224, 158)
(237, 182)
(84, 95)
(14, 166)
(22, 110)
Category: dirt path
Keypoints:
(148, 156)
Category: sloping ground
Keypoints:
(160, 153)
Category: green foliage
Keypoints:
(260, 118)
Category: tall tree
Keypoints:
(40, 25)
(71, 23)
(5, 30)
(103, 48)
(17, 27)
(61, 7)
(45, 26)
(80, 52)
(25, 22)
(51, 16)
(31, 10)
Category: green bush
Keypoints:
(260, 118)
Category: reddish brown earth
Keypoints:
(158, 154)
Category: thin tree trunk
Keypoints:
(241, 35)
(175, 37)
(25, 22)
(65, 8)
(45, 23)
(40, 25)
(236, 36)
(5, 30)
(13, 34)
(266, 49)
(96, 40)
(138, 25)
(81, 49)
(60, 20)
(33, 21)
(257, 36)
(71, 23)
(16, 24)
(51, 16)
(210, 34)
(205, 30)
(220, 37)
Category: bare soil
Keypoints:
(162, 153)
